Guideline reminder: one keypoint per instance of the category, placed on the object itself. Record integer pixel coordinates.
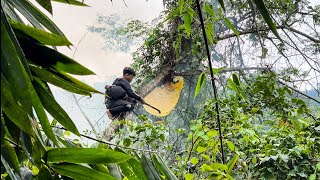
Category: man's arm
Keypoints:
(127, 87)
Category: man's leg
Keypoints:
(119, 106)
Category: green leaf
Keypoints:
(218, 166)
(206, 157)
(171, 15)
(231, 163)
(8, 169)
(210, 32)
(162, 137)
(230, 25)
(46, 4)
(23, 31)
(235, 79)
(188, 176)
(209, 10)
(313, 177)
(149, 168)
(55, 79)
(12, 109)
(35, 16)
(200, 83)
(206, 168)
(71, 2)
(194, 160)
(133, 170)
(201, 149)
(100, 167)
(181, 3)
(56, 60)
(79, 172)
(266, 16)
(231, 145)
(50, 104)
(13, 70)
(222, 4)
(9, 154)
(163, 168)
(212, 133)
(86, 155)
(187, 22)
(42, 116)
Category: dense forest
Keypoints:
(237, 83)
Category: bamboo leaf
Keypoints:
(46, 4)
(86, 155)
(9, 154)
(12, 109)
(266, 16)
(231, 163)
(148, 168)
(50, 104)
(13, 70)
(71, 2)
(35, 16)
(209, 10)
(23, 31)
(200, 83)
(187, 22)
(56, 60)
(174, 13)
(169, 174)
(230, 25)
(42, 116)
(79, 172)
(8, 169)
(236, 79)
(56, 80)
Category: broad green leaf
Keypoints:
(212, 133)
(200, 83)
(56, 111)
(12, 109)
(71, 2)
(163, 168)
(222, 4)
(187, 22)
(100, 167)
(56, 60)
(79, 172)
(86, 155)
(218, 166)
(133, 169)
(46, 4)
(126, 142)
(231, 163)
(231, 145)
(77, 83)
(206, 157)
(230, 25)
(188, 176)
(13, 70)
(217, 70)
(149, 168)
(181, 4)
(201, 149)
(55, 79)
(23, 31)
(35, 16)
(191, 12)
(194, 160)
(206, 168)
(266, 16)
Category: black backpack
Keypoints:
(115, 92)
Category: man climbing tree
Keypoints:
(121, 96)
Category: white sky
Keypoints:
(74, 22)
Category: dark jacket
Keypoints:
(126, 87)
